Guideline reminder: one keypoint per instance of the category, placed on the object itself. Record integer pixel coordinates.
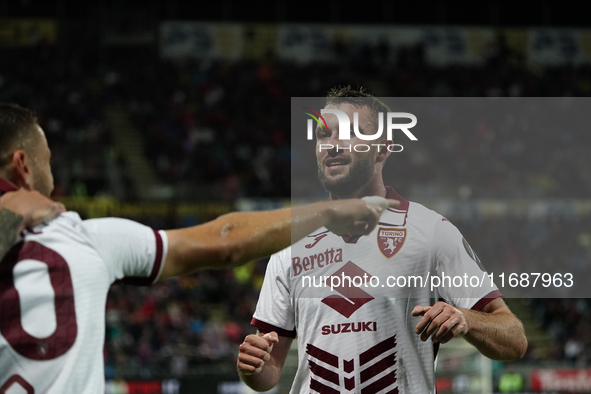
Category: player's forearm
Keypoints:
(308, 218)
(240, 237)
(499, 336)
(250, 235)
(10, 226)
(264, 380)
(260, 234)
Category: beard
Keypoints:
(359, 174)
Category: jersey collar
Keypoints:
(391, 193)
(391, 217)
(395, 216)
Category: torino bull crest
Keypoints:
(390, 240)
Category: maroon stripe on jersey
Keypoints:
(376, 350)
(266, 327)
(393, 195)
(6, 186)
(158, 259)
(377, 368)
(350, 383)
(324, 373)
(321, 388)
(20, 382)
(395, 391)
(322, 355)
(351, 239)
(486, 299)
(146, 281)
(348, 366)
(380, 384)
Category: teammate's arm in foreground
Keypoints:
(494, 330)
(23, 209)
(237, 238)
(261, 359)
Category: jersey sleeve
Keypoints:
(133, 253)
(455, 258)
(274, 311)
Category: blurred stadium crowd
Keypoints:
(229, 120)
(224, 126)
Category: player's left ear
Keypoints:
(383, 152)
(21, 167)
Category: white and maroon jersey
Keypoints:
(361, 339)
(53, 291)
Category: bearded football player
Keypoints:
(361, 338)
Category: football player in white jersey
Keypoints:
(365, 339)
(55, 277)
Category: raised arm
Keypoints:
(240, 237)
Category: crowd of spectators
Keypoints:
(65, 92)
(174, 326)
(567, 323)
(220, 130)
(518, 244)
(551, 245)
(226, 124)
(220, 125)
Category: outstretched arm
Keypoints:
(21, 209)
(240, 237)
(495, 331)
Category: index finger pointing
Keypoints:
(393, 203)
(376, 200)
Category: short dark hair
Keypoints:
(357, 97)
(16, 125)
